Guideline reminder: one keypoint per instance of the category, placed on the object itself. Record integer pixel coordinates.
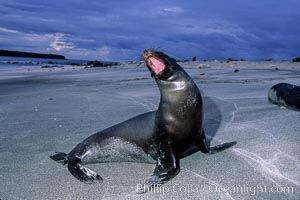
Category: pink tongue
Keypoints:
(156, 64)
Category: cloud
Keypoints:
(5, 30)
(120, 30)
(172, 9)
(104, 52)
(59, 44)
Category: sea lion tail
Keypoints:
(60, 157)
(221, 147)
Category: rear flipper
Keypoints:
(81, 173)
(221, 147)
(203, 146)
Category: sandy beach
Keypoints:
(48, 110)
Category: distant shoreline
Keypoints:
(8, 53)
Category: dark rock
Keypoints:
(76, 64)
(194, 58)
(236, 70)
(203, 75)
(95, 63)
(268, 59)
(202, 66)
(52, 66)
(230, 59)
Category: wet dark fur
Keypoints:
(285, 94)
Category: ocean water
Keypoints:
(13, 63)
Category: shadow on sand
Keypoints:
(211, 123)
(212, 118)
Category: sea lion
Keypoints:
(163, 136)
(285, 94)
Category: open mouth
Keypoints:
(155, 64)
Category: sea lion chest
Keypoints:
(180, 112)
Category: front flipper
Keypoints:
(167, 167)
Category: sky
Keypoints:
(114, 30)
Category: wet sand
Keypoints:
(48, 110)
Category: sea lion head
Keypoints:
(160, 65)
